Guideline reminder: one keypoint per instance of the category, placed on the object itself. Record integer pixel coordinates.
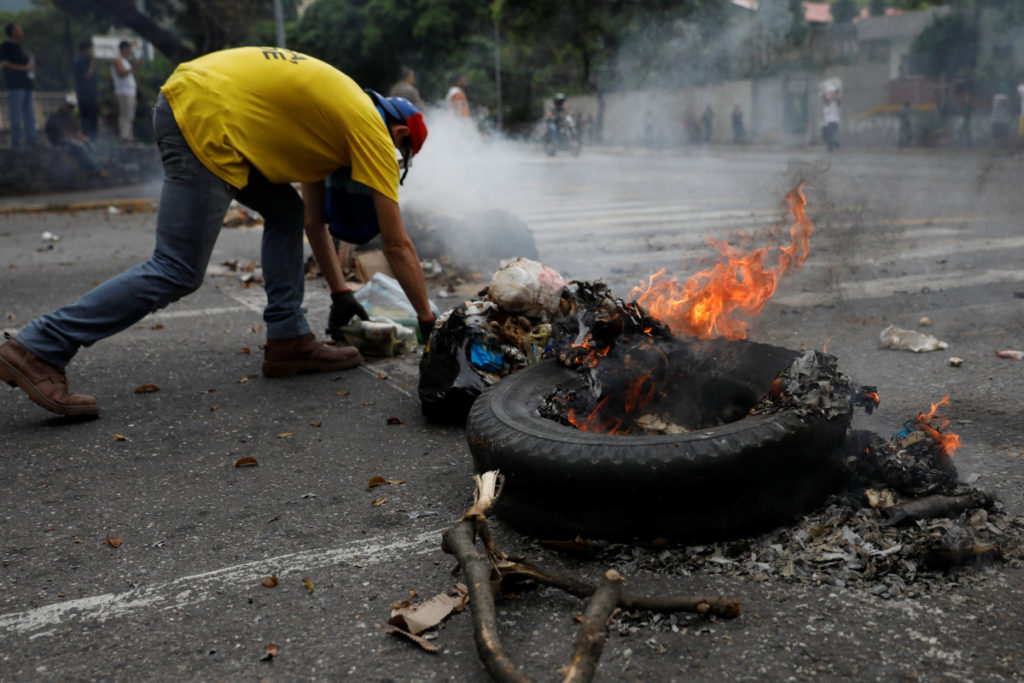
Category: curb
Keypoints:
(128, 204)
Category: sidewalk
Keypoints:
(95, 198)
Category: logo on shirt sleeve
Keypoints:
(273, 53)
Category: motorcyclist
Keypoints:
(556, 114)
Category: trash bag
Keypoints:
(449, 380)
(526, 286)
(480, 342)
(383, 297)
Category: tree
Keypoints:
(946, 48)
(371, 39)
(184, 29)
(845, 11)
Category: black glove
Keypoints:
(343, 307)
(426, 327)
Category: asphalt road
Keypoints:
(898, 237)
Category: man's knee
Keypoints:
(178, 277)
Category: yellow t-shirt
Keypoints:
(293, 117)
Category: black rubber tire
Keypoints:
(743, 477)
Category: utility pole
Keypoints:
(496, 8)
(279, 22)
(497, 69)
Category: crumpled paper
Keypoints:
(900, 339)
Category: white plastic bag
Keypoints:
(383, 297)
(525, 286)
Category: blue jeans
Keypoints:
(23, 118)
(193, 202)
(80, 152)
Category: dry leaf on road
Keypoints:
(247, 461)
(271, 581)
(146, 388)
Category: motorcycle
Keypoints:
(562, 133)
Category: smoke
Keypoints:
(462, 169)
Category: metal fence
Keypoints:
(45, 103)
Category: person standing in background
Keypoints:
(739, 134)
(1001, 115)
(456, 97)
(706, 120)
(19, 69)
(1020, 121)
(831, 118)
(406, 87)
(122, 71)
(85, 89)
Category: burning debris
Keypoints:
(714, 302)
(641, 379)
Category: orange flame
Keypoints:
(947, 442)
(639, 393)
(705, 306)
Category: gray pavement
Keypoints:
(898, 237)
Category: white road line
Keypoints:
(196, 588)
(199, 312)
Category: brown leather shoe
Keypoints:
(283, 357)
(44, 383)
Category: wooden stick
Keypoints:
(930, 507)
(590, 640)
(460, 541)
(721, 607)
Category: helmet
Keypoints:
(404, 112)
(560, 97)
(71, 99)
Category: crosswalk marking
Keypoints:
(619, 241)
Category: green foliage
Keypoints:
(571, 45)
(371, 40)
(946, 48)
(844, 11)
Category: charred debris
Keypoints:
(903, 514)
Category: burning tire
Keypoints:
(742, 477)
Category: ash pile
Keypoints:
(903, 527)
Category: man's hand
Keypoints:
(426, 327)
(343, 307)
